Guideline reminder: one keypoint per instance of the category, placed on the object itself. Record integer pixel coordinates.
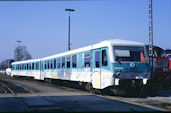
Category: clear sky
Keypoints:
(43, 25)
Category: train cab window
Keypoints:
(68, 61)
(104, 58)
(63, 62)
(87, 60)
(74, 61)
(54, 63)
(97, 59)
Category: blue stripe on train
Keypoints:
(125, 67)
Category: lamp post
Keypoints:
(69, 10)
(18, 41)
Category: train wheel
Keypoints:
(92, 90)
(47, 80)
(101, 92)
(114, 90)
(87, 87)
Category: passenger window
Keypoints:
(74, 61)
(27, 66)
(97, 59)
(63, 62)
(59, 63)
(45, 65)
(68, 61)
(87, 60)
(48, 64)
(54, 63)
(37, 66)
(51, 64)
(104, 58)
(32, 65)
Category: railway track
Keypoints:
(13, 86)
(16, 86)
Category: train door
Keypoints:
(42, 74)
(86, 67)
(96, 68)
(63, 69)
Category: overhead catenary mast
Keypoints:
(151, 37)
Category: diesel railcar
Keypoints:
(108, 64)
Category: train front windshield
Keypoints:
(129, 54)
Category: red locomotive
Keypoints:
(161, 66)
(168, 51)
(169, 56)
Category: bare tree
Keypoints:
(21, 53)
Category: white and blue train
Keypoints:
(107, 64)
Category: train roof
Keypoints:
(27, 61)
(106, 43)
(122, 42)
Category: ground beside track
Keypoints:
(28, 95)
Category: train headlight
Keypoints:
(116, 81)
(145, 81)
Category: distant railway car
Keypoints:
(168, 51)
(107, 64)
(169, 56)
(8, 71)
(160, 65)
